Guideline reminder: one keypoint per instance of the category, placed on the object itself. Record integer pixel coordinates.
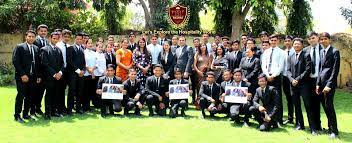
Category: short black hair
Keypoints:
(289, 37)
(237, 70)
(251, 39)
(325, 34)
(196, 39)
(30, 31)
(66, 32)
(131, 70)
(42, 26)
(54, 33)
(274, 36)
(313, 33)
(210, 73)
(228, 70)
(265, 41)
(111, 66)
(178, 70)
(157, 66)
(129, 35)
(262, 76)
(299, 40)
(263, 33)
(58, 30)
(244, 34)
(236, 41)
(80, 34)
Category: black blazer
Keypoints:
(52, 62)
(131, 91)
(185, 61)
(299, 70)
(269, 99)
(105, 79)
(234, 62)
(132, 47)
(308, 50)
(223, 85)
(204, 91)
(113, 59)
(75, 58)
(151, 87)
(251, 69)
(169, 65)
(22, 60)
(39, 44)
(329, 68)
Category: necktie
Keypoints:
(271, 60)
(158, 81)
(314, 56)
(132, 83)
(288, 52)
(43, 43)
(324, 56)
(110, 80)
(211, 90)
(33, 59)
(110, 58)
(249, 60)
(297, 58)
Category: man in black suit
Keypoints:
(298, 70)
(250, 67)
(134, 97)
(110, 56)
(131, 43)
(40, 42)
(266, 113)
(235, 56)
(156, 92)
(178, 103)
(327, 81)
(27, 74)
(76, 66)
(314, 50)
(210, 96)
(184, 57)
(109, 105)
(244, 38)
(53, 67)
(235, 109)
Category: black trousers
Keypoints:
(235, 109)
(193, 81)
(62, 98)
(178, 103)
(286, 86)
(328, 104)
(204, 104)
(304, 92)
(36, 101)
(277, 84)
(130, 104)
(75, 92)
(259, 117)
(110, 105)
(315, 104)
(25, 93)
(154, 100)
(52, 96)
(89, 94)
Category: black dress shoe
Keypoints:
(212, 115)
(137, 113)
(288, 122)
(47, 117)
(314, 133)
(19, 120)
(151, 114)
(183, 114)
(79, 112)
(39, 112)
(299, 128)
(27, 117)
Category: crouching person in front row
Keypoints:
(178, 103)
(156, 88)
(265, 113)
(134, 94)
(109, 106)
(210, 96)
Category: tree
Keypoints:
(347, 13)
(195, 7)
(113, 10)
(299, 19)
(264, 18)
(155, 14)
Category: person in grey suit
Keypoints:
(298, 70)
(327, 81)
(184, 57)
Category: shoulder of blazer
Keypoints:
(185, 81)
(204, 82)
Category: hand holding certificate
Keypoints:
(236, 94)
(112, 91)
(179, 91)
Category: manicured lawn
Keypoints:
(91, 128)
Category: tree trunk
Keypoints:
(147, 17)
(236, 22)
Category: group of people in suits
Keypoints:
(48, 64)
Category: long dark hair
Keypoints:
(223, 51)
(200, 49)
(145, 50)
(163, 51)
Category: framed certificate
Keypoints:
(179, 91)
(235, 94)
(112, 91)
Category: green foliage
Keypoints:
(7, 74)
(223, 15)
(347, 13)
(158, 13)
(89, 22)
(264, 17)
(195, 6)
(299, 19)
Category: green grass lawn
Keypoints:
(92, 128)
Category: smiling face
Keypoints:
(298, 46)
(30, 37)
(54, 39)
(325, 41)
(42, 32)
(313, 40)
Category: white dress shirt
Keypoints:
(317, 60)
(288, 53)
(277, 62)
(91, 60)
(101, 64)
(154, 50)
(62, 47)
(179, 51)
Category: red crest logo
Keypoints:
(178, 15)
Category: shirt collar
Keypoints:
(327, 48)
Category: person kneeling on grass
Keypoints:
(177, 103)
(109, 104)
(210, 96)
(265, 114)
(134, 94)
